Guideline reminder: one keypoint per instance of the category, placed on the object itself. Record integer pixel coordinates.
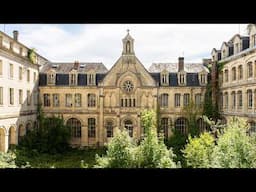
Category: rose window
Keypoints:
(128, 86)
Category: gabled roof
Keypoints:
(173, 67)
(81, 68)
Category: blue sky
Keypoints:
(103, 42)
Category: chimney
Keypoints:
(181, 64)
(15, 35)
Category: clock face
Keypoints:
(128, 86)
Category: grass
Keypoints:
(70, 159)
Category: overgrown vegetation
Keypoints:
(123, 152)
(32, 55)
(51, 136)
(7, 160)
(234, 148)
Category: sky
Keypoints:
(154, 43)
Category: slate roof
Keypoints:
(67, 67)
(173, 67)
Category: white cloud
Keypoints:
(103, 42)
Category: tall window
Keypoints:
(177, 99)
(20, 96)
(91, 79)
(186, 99)
(47, 100)
(11, 96)
(56, 100)
(20, 73)
(11, 71)
(68, 100)
(252, 127)
(34, 77)
(240, 72)
(164, 100)
(91, 100)
(73, 79)
(75, 126)
(198, 99)
(91, 128)
(226, 99)
(129, 126)
(28, 75)
(1, 96)
(29, 98)
(78, 100)
(164, 126)
(109, 129)
(249, 70)
(35, 97)
(240, 99)
(202, 125)
(233, 95)
(233, 74)
(181, 125)
(249, 96)
(51, 78)
(226, 75)
(1, 67)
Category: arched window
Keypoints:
(28, 127)
(249, 70)
(164, 100)
(75, 126)
(51, 78)
(233, 74)
(91, 100)
(202, 126)
(12, 133)
(226, 100)
(109, 128)
(226, 75)
(221, 101)
(240, 72)
(164, 127)
(181, 125)
(128, 47)
(249, 97)
(129, 126)
(91, 127)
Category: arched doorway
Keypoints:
(12, 136)
(129, 126)
(75, 128)
(2, 140)
(21, 132)
(28, 126)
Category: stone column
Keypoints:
(6, 142)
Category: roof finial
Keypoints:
(128, 30)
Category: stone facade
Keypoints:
(237, 77)
(18, 90)
(95, 102)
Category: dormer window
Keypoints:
(237, 48)
(73, 79)
(182, 78)
(91, 79)
(224, 53)
(164, 78)
(203, 78)
(51, 78)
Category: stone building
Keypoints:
(19, 69)
(236, 77)
(95, 101)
